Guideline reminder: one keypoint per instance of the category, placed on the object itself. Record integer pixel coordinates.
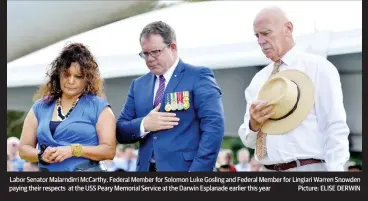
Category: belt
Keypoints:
(86, 166)
(293, 164)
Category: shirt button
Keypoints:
(155, 138)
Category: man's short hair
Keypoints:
(161, 28)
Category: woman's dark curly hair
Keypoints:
(74, 52)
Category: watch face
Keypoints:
(40, 160)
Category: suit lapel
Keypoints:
(175, 78)
(148, 97)
(174, 81)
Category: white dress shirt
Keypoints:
(324, 132)
(167, 77)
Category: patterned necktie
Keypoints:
(158, 98)
(160, 91)
(261, 137)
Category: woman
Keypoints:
(72, 124)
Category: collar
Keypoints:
(170, 71)
(291, 56)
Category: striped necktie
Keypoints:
(160, 91)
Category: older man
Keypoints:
(320, 141)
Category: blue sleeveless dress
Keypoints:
(79, 127)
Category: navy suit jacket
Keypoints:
(194, 144)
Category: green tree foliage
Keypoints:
(14, 123)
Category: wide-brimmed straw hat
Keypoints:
(291, 92)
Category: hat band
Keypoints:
(292, 110)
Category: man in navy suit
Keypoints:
(175, 111)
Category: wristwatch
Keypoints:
(40, 160)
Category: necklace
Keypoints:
(61, 115)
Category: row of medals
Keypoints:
(177, 101)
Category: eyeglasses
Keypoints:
(154, 53)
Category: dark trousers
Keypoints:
(152, 167)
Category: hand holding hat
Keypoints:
(260, 111)
(291, 93)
